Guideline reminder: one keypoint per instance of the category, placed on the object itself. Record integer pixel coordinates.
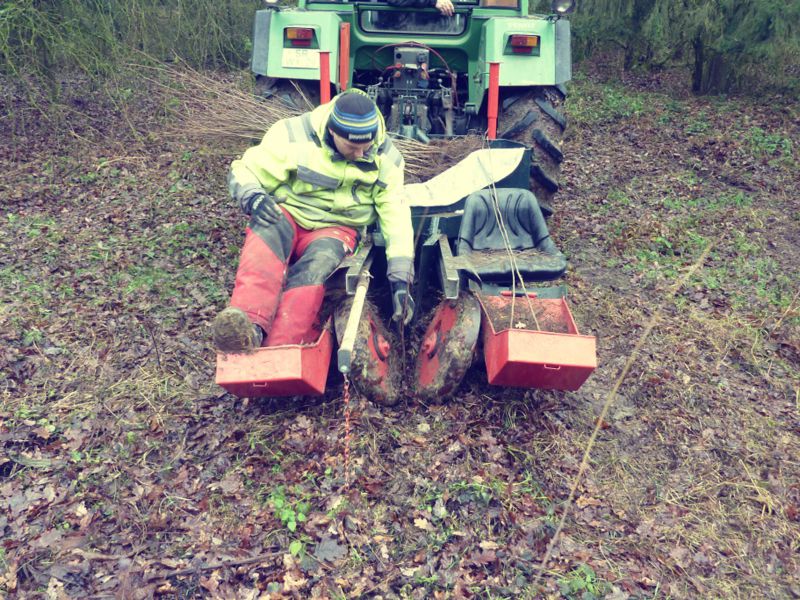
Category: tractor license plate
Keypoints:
(300, 58)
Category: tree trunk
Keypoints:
(717, 78)
(697, 73)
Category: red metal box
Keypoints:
(279, 370)
(552, 356)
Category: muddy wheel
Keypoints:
(535, 118)
(374, 368)
(447, 348)
(296, 95)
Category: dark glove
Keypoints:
(402, 302)
(263, 210)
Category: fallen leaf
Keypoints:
(8, 580)
(328, 549)
(423, 524)
(293, 581)
(483, 558)
(583, 501)
(49, 492)
(55, 590)
(211, 583)
(48, 538)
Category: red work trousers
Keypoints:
(281, 275)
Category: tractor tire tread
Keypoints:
(552, 112)
(286, 93)
(544, 133)
(540, 175)
(548, 145)
(519, 126)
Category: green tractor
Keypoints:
(484, 258)
(430, 74)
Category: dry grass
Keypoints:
(211, 108)
(718, 475)
(691, 491)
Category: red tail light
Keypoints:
(524, 44)
(300, 37)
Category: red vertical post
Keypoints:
(344, 56)
(324, 77)
(494, 99)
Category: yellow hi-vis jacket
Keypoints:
(298, 165)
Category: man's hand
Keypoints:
(263, 210)
(445, 7)
(402, 303)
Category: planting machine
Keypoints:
(485, 264)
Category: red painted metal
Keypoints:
(509, 294)
(278, 370)
(429, 343)
(494, 99)
(442, 323)
(344, 56)
(448, 346)
(554, 357)
(379, 349)
(382, 346)
(324, 76)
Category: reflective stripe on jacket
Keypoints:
(298, 166)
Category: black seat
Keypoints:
(481, 240)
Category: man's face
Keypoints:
(350, 150)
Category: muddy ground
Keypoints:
(126, 473)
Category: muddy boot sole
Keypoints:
(234, 333)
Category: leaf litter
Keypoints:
(126, 473)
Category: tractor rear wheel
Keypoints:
(296, 95)
(534, 117)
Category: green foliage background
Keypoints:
(729, 45)
(38, 37)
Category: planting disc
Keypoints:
(448, 347)
(373, 368)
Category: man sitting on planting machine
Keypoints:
(311, 184)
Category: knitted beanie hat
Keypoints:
(354, 117)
